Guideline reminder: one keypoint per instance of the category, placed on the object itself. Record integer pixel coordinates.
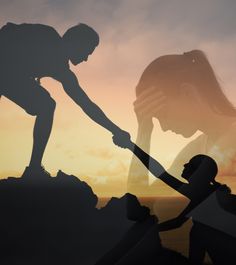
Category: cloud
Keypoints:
(99, 180)
(207, 18)
(115, 168)
(103, 153)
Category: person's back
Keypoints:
(30, 50)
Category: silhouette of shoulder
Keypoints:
(34, 50)
(11, 30)
(28, 39)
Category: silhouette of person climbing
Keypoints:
(200, 174)
(182, 92)
(29, 52)
(129, 250)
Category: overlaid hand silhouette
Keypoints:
(148, 104)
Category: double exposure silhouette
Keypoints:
(200, 174)
(183, 93)
(29, 52)
(141, 244)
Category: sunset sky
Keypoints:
(132, 34)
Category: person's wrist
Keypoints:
(145, 125)
(115, 130)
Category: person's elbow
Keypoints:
(171, 224)
(70, 91)
(77, 95)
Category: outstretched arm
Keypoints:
(155, 167)
(73, 89)
(177, 221)
(172, 223)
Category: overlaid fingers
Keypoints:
(150, 110)
(149, 93)
(157, 97)
(149, 105)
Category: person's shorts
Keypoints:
(26, 93)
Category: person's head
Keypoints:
(80, 41)
(201, 169)
(191, 89)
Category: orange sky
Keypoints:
(77, 145)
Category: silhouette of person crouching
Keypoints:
(29, 52)
(200, 174)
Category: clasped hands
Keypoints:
(122, 139)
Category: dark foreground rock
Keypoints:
(55, 221)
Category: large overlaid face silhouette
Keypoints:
(178, 110)
(178, 113)
(190, 88)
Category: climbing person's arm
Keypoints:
(155, 167)
(76, 93)
(177, 221)
(172, 223)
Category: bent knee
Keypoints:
(48, 106)
(45, 107)
(51, 104)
